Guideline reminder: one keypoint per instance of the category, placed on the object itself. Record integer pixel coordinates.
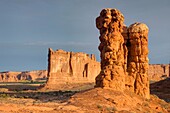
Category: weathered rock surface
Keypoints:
(124, 54)
(110, 25)
(70, 68)
(138, 62)
(158, 72)
(19, 76)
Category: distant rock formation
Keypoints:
(124, 54)
(70, 68)
(10, 76)
(158, 72)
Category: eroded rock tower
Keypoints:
(110, 24)
(124, 54)
(138, 62)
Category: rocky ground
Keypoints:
(88, 101)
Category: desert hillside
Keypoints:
(96, 100)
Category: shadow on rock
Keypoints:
(161, 89)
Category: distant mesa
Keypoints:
(66, 68)
(10, 76)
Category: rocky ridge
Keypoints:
(11, 76)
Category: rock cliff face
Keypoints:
(19, 76)
(158, 72)
(124, 54)
(69, 67)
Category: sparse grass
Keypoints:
(111, 109)
(145, 104)
(4, 95)
(166, 106)
(147, 100)
(100, 107)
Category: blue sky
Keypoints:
(29, 27)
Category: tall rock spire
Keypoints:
(110, 24)
(138, 60)
(123, 53)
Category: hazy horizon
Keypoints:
(29, 27)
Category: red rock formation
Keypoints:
(124, 54)
(110, 24)
(19, 76)
(158, 72)
(138, 62)
(9, 76)
(69, 67)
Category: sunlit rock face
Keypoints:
(12, 76)
(110, 24)
(138, 62)
(123, 53)
(69, 68)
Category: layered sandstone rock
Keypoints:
(124, 54)
(158, 72)
(69, 68)
(110, 25)
(10, 76)
(33, 75)
(138, 61)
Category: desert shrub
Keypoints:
(99, 107)
(4, 95)
(111, 109)
(145, 104)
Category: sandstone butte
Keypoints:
(66, 68)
